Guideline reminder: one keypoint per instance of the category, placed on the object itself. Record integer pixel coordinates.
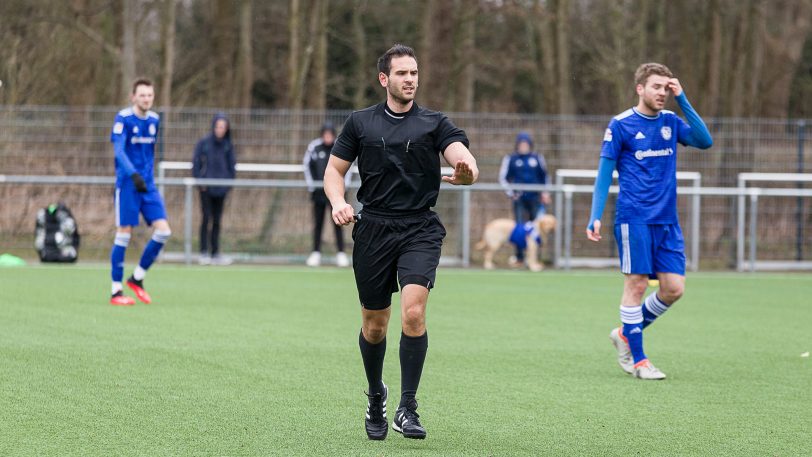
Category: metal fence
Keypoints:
(61, 141)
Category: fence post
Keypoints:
(466, 227)
(567, 226)
(740, 227)
(559, 210)
(161, 176)
(187, 220)
(697, 214)
(753, 226)
(799, 234)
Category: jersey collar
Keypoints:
(644, 116)
(391, 115)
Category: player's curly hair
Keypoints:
(398, 50)
(647, 69)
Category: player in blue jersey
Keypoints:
(134, 134)
(641, 143)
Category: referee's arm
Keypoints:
(334, 189)
(465, 169)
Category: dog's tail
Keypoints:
(481, 245)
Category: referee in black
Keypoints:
(397, 236)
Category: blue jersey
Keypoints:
(645, 150)
(520, 168)
(134, 141)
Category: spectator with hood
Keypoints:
(214, 158)
(524, 166)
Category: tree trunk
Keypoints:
(565, 98)
(736, 86)
(426, 53)
(466, 56)
(221, 77)
(546, 43)
(784, 50)
(359, 40)
(319, 94)
(169, 53)
(127, 46)
(294, 48)
(753, 98)
(246, 54)
(306, 57)
(710, 101)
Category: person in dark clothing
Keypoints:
(315, 162)
(214, 158)
(398, 239)
(524, 166)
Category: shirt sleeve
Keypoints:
(612, 141)
(306, 166)
(505, 175)
(542, 170)
(693, 133)
(118, 136)
(447, 133)
(347, 144)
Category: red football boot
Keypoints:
(119, 299)
(138, 287)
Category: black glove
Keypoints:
(140, 185)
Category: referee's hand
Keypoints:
(463, 175)
(343, 214)
(593, 232)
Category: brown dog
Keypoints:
(498, 231)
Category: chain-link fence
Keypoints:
(60, 141)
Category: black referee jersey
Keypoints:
(398, 155)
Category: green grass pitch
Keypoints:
(265, 361)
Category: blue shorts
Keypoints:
(130, 203)
(649, 249)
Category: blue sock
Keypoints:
(632, 318)
(153, 248)
(117, 258)
(653, 307)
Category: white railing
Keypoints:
(754, 264)
(566, 191)
(165, 165)
(563, 244)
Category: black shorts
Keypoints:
(394, 249)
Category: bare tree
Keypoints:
(245, 57)
(128, 14)
(169, 30)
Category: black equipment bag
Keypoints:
(56, 237)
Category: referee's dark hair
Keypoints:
(398, 50)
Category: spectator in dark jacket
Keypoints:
(524, 166)
(315, 162)
(214, 159)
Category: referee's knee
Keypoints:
(373, 332)
(414, 320)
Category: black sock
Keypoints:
(412, 355)
(373, 354)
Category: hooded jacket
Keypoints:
(518, 168)
(215, 158)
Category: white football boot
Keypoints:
(342, 260)
(624, 354)
(645, 370)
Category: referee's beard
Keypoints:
(400, 98)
